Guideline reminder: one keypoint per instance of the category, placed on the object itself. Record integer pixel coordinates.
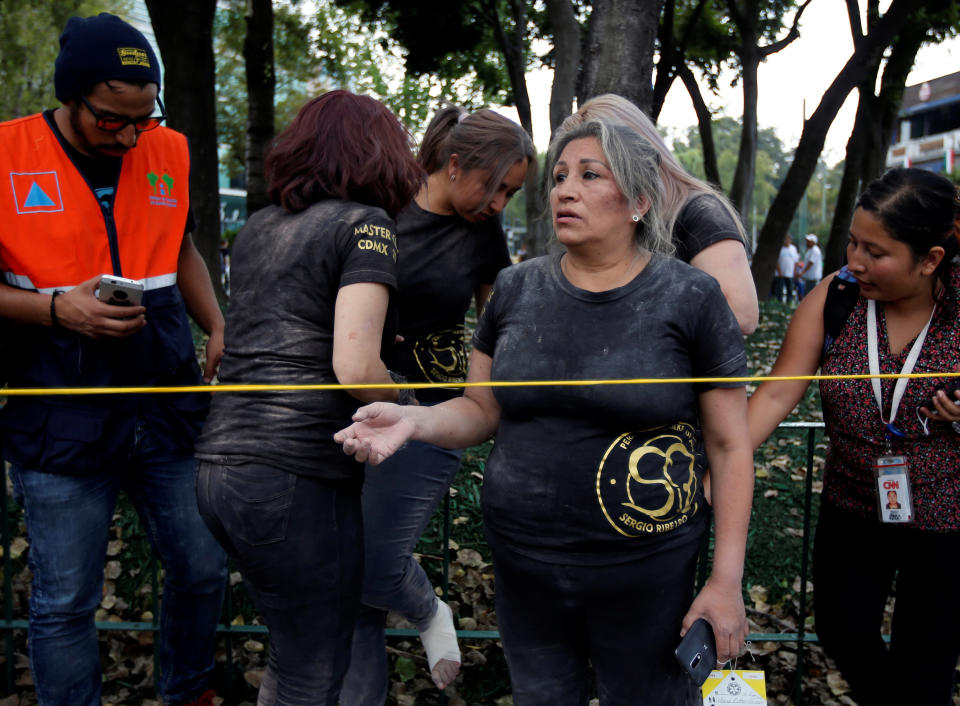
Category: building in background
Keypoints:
(928, 132)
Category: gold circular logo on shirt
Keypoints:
(647, 482)
(442, 356)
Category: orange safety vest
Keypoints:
(54, 233)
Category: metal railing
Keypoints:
(8, 624)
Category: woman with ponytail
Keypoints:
(894, 308)
(451, 248)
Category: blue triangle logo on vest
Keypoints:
(36, 192)
(36, 198)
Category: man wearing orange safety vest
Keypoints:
(98, 187)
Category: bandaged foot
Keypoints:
(440, 643)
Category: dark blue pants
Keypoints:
(399, 498)
(299, 544)
(557, 620)
(68, 521)
(855, 562)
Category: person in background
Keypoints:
(313, 275)
(903, 316)
(592, 500)
(451, 248)
(706, 231)
(786, 269)
(94, 187)
(812, 265)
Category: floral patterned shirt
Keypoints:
(858, 436)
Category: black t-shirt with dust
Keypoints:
(702, 221)
(442, 261)
(604, 473)
(287, 272)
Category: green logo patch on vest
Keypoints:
(162, 189)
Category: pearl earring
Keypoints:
(453, 177)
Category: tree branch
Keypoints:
(793, 34)
(856, 27)
(704, 118)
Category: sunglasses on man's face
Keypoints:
(116, 123)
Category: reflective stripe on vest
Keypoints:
(23, 282)
(55, 233)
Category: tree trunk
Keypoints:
(566, 46)
(261, 81)
(741, 189)
(618, 57)
(512, 46)
(833, 252)
(670, 59)
(566, 43)
(872, 130)
(184, 33)
(892, 84)
(812, 138)
(673, 51)
(747, 19)
(705, 124)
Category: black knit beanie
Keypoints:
(101, 48)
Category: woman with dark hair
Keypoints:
(313, 275)
(592, 499)
(451, 248)
(897, 304)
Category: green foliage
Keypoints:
(29, 34)
(363, 50)
(320, 46)
(405, 669)
(772, 161)
(452, 41)
(716, 37)
(771, 165)
(296, 66)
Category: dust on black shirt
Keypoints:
(443, 259)
(287, 272)
(603, 473)
(703, 220)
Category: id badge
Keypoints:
(734, 686)
(894, 501)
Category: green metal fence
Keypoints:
(230, 632)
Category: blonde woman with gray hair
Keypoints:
(705, 228)
(592, 501)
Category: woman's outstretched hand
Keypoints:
(378, 430)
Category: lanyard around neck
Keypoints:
(874, 359)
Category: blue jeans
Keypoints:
(399, 498)
(298, 542)
(558, 620)
(68, 522)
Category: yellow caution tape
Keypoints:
(37, 391)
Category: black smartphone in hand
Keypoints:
(697, 651)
